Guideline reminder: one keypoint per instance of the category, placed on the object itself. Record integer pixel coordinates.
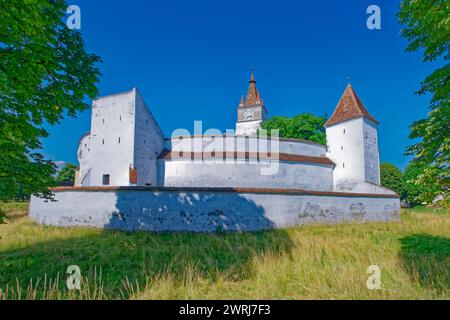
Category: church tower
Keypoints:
(352, 141)
(251, 111)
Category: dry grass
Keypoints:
(307, 262)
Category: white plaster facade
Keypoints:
(248, 128)
(206, 211)
(353, 147)
(242, 143)
(123, 135)
(245, 174)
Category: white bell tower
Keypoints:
(251, 111)
(352, 141)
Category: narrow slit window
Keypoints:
(103, 141)
(343, 165)
(106, 180)
(119, 140)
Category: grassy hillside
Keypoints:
(307, 262)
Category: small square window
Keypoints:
(106, 180)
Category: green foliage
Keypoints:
(411, 190)
(45, 73)
(303, 126)
(415, 185)
(67, 173)
(417, 190)
(391, 177)
(427, 27)
(431, 187)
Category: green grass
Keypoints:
(306, 262)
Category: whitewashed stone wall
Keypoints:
(202, 211)
(111, 141)
(238, 143)
(248, 127)
(123, 134)
(149, 143)
(353, 147)
(371, 153)
(84, 159)
(242, 173)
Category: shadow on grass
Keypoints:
(139, 256)
(11, 211)
(427, 259)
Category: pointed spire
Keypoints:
(253, 94)
(252, 76)
(349, 107)
(242, 102)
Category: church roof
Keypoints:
(180, 155)
(253, 96)
(349, 107)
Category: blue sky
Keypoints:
(191, 61)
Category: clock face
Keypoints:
(248, 115)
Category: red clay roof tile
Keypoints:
(349, 107)
(179, 155)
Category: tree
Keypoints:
(303, 126)
(391, 177)
(427, 27)
(412, 190)
(67, 173)
(45, 74)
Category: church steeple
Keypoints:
(253, 96)
(251, 111)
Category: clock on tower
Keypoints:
(251, 111)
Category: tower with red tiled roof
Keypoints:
(352, 140)
(251, 110)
